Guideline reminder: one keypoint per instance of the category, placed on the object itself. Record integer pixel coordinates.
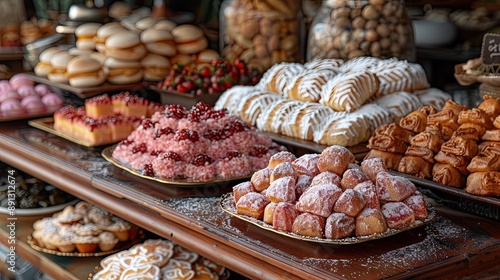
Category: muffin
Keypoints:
(99, 216)
(68, 216)
(64, 242)
(120, 229)
(86, 229)
(86, 244)
(107, 241)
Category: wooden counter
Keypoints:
(455, 245)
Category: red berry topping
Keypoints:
(232, 154)
(155, 152)
(172, 155)
(186, 134)
(237, 126)
(215, 134)
(258, 151)
(164, 131)
(201, 160)
(148, 123)
(148, 170)
(126, 142)
(141, 148)
(175, 111)
(216, 114)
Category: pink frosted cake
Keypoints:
(201, 144)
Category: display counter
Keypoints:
(455, 245)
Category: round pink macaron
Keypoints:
(10, 95)
(52, 100)
(42, 89)
(33, 104)
(11, 108)
(26, 90)
(20, 79)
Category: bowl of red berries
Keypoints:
(206, 82)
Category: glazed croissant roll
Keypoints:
(421, 152)
(470, 131)
(445, 174)
(415, 166)
(454, 107)
(387, 143)
(490, 105)
(460, 146)
(458, 162)
(445, 117)
(475, 116)
(427, 140)
(391, 160)
(484, 163)
(396, 131)
(415, 121)
(484, 183)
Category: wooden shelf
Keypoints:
(192, 218)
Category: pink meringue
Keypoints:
(10, 95)
(26, 90)
(33, 104)
(20, 79)
(11, 108)
(52, 100)
(42, 89)
(5, 86)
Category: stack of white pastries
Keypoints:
(332, 102)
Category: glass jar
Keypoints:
(347, 29)
(261, 32)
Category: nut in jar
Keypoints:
(347, 29)
(261, 32)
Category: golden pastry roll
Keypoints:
(391, 160)
(415, 121)
(415, 166)
(491, 135)
(427, 140)
(446, 174)
(454, 107)
(484, 183)
(387, 143)
(396, 131)
(421, 152)
(470, 131)
(485, 163)
(445, 117)
(460, 146)
(491, 105)
(458, 162)
(475, 116)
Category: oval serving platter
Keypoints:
(227, 204)
(107, 154)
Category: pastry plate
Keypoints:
(227, 204)
(38, 211)
(119, 247)
(47, 124)
(107, 154)
(458, 192)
